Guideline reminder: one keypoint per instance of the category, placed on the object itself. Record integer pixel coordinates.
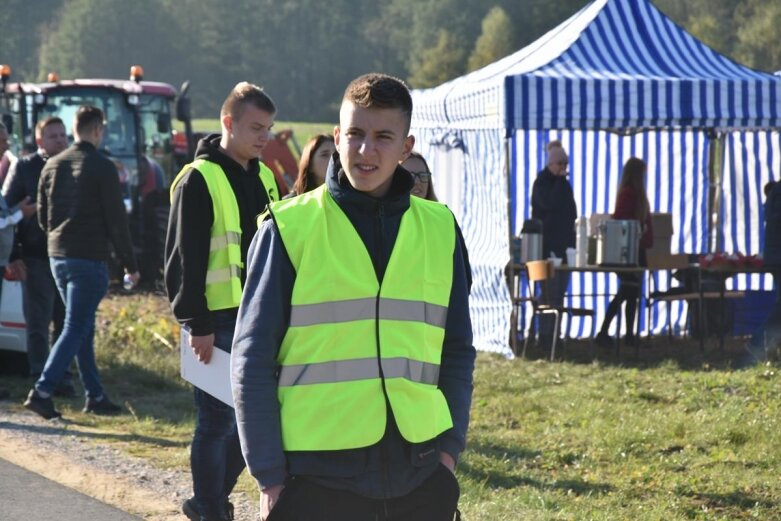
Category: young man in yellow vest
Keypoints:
(352, 359)
(215, 201)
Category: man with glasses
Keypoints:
(80, 208)
(554, 204)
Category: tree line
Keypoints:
(305, 51)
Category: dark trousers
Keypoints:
(557, 288)
(629, 292)
(42, 304)
(215, 455)
(768, 336)
(434, 500)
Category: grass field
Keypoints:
(664, 434)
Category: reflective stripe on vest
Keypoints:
(362, 369)
(223, 272)
(361, 309)
(350, 340)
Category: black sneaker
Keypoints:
(630, 340)
(104, 406)
(65, 390)
(41, 406)
(190, 509)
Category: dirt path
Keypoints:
(63, 452)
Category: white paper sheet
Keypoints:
(214, 377)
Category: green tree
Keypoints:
(496, 40)
(757, 34)
(440, 63)
(103, 38)
(23, 25)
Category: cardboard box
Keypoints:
(594, 220)
(666, 261)
(663, 233)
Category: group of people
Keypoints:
(344, 307)
(553, 203)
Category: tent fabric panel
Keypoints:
(751, 160)
(468, 176)
(677, 183)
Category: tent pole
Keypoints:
(715, 192)
(510, 273)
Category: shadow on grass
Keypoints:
(729, 500)
(62, 427)
(650, 353)
(498, 478)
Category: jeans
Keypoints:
(215, 455)
(435, 499)
(82, 283)
(40, 298)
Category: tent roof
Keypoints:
(614, 64)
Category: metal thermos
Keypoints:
(531, 240)
(618, 243)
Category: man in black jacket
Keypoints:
(209, 234)
(81, 210)
(39, 291)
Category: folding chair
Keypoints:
(540, 272)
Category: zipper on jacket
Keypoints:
(379, 245)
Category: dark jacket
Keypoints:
(21, 182)
(392, 467)
(80, 207)
(772, 253)
(554, 204)
(189, 232)
(627, 203)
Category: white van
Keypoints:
(13, 334)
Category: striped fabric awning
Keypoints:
(616, 64)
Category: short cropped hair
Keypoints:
(88, 118)
(245, 93)
(380, 91)
(42, 124)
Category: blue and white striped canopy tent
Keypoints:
(615, 80)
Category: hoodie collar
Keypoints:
(209, 149)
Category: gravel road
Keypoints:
(26, 438)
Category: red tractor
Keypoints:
(138, 138)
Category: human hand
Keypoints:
(27, 207)
(134, 277)
(448, 461)
(268, 498)
(17, 270)
(202, 347)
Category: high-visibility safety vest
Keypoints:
(223, 272)
(351, 340)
